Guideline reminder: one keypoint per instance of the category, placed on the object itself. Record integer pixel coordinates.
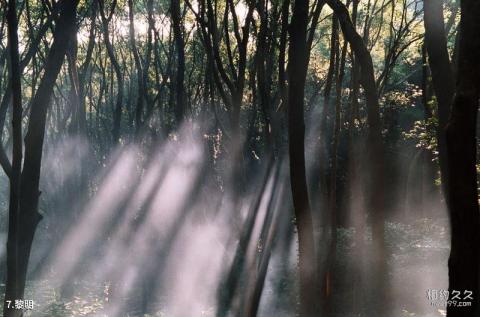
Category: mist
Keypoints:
(239, 158)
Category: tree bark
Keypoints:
(180, 50)
(23, 226)
(375, 140)
(442, 74)
(263, 87)
(117, 115)
(297, 70)
(355, 194)
(332, 197)
(375, 150)
(461, 142)
(14, 288)
(138, 66)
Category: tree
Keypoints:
(138, 65)
(178, 29)
(106, 18)
(206, 18)
(376, 148)
(463, 264)
(14, 279)
(442, 74)
(23, 213)
(297, 71)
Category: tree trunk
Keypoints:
(355, 195)
(138, 66)
(79, 120)
(442, 74)
(332, 197)
(375, 150)
(15, 286)
(177, 26)
(463, 263)
(263, 87)
(325, 136)
(331, 72)
(117, 114)
(22, 226)
(297, 70)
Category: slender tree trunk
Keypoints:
(355, 194)
(442, 74)
(117, 112)
(375, 150)
(325, 136)
(332, 199)
(330, 74)
(79, 120)
(15, 283)
(180, 50)
(27, 218)
(263, 88)
(297, 70)
(138, 66)
(463, 263)
(282, 49)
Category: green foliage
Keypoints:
(423, 133)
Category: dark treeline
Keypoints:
(369, 105)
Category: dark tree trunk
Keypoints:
(355, 195)
(332, 197)
(331, 72)
(6, 99)
(117, 114)
(442, 74)
(22, 226)
(263, 87)
(375, 149)
(463, 263)
(15, 284)
(138, 66)
(325, 136)
(79, 120)
(297, 70)
(177, 26)
(282, 75)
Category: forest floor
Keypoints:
(418, 254)
(417, 262)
